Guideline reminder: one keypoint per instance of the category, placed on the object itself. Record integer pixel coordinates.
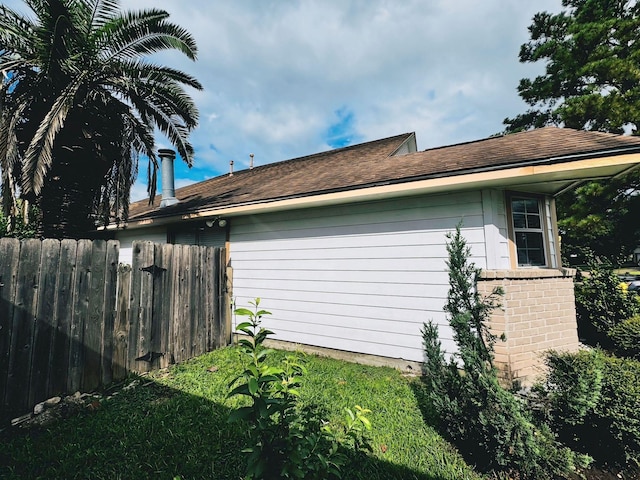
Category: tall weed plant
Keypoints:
(489, 425)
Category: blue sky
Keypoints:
(284, 79)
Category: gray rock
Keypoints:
(52, 402)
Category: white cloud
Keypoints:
(275, 72)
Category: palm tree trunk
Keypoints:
(69, 196)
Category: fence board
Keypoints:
(61, 342)
(207, 298)
(23, 326)
(176, 348)
(80, 312)
(197, 299)
(45, 313)
(92, 328)
(110, 301)
(186, 315)
(72, 319)
(224, 281)
(120, 359)
(9, 256)
(163, 303)
(142, 299)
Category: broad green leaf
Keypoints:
(271, 371)
(240, 390)
(253, 386)
(245, 312)
(366, 422)
(268, 379)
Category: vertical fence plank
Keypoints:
(121, 328)
(188, 301)
(60, 353)
(197, 297)
(159, 279)
(94, 320)
(82, 288)
(9, 256)
(165, 300)
(181, 330)
(23, 326)
(45, 320)
(142, 302)
(175, 331)
(223, 289)
(207, 296)
(110, 300)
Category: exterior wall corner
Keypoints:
(537, 314)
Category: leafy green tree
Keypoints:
(17, 226)
(80, 102)
(591, 82)
(600, 217)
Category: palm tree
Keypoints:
(79, 105)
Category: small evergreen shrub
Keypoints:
(592, 402)
(573, 385)
(625, 337)
(488, 424)
(618, 413)
(601, 303)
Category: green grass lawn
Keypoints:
(175, 424)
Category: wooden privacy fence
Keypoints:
(72, 318)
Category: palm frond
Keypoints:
(99, 13)
(39, 154)
(136, 34)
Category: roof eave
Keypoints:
(556, 172)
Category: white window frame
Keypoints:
(541, 230)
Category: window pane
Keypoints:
(519, 220)
(533, 221)
(530, 249)
(536, 257)
(517, 205)
(531, 205)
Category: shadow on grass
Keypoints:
(151, 431)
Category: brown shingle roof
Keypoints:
(372, 163)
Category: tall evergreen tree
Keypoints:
(79, 104)
(592, 82)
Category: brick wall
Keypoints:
(538, 314)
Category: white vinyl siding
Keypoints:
(361, 277)
(126, 238)
(495, 230)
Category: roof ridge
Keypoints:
(524, 132)
(335, 150)
(279, 163)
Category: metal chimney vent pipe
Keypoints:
(167, 156)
